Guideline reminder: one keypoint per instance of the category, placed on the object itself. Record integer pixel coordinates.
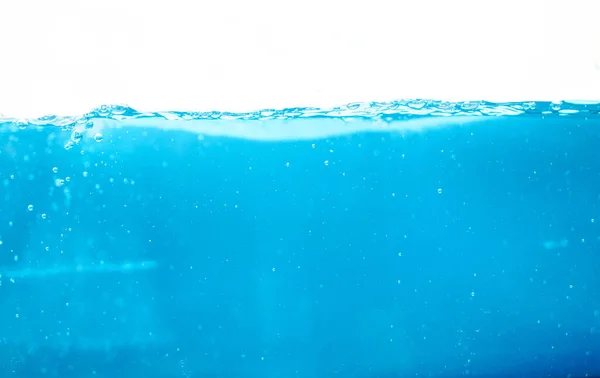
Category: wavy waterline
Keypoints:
(385, 111)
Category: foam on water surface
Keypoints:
(299, 123)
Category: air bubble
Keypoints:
(44, 216)
(416, 104)
(76, 136)
(439, 190)
(30, 207)
(89, 125)
(68, 145)
(103, 110)
(118, 109)
(98, 137)
(55, 169)
(556, 105)
(469, 106)
(22, 124)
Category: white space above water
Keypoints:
(65, 57)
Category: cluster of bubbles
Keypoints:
(77, 134)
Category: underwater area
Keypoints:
(373, 240)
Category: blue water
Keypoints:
(411, 238)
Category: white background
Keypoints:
(65, 57)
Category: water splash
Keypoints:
(383, 110)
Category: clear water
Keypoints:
(412, 238)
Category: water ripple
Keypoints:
(386, 111)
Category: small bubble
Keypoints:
(21, 124)
(68, 145)
(439, 190)
(59, 182)
(76, 136)
(44, 216)
(326, 162)
(30, 207)
(98, 137)
(118, 109)
(556, 105)
(55, 169)
(469, 105)
(103, 110)
(89, 125)
(85, 174)
(287, 164)
(417, 104)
